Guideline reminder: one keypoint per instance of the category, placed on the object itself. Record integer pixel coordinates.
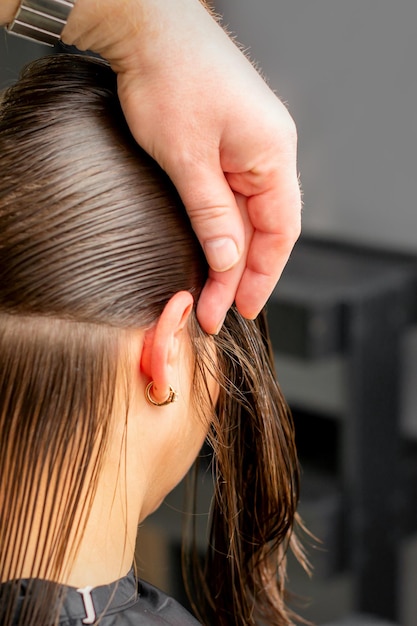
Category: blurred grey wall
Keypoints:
(348, 70)
(15, 52)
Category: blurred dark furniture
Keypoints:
(338, 299)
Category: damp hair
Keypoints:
(94, 241)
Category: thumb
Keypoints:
(214, 214)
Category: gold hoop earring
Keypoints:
(172, 397)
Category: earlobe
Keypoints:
(162, 345)
(172, 396)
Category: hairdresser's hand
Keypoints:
(195, 103)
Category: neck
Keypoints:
(106, 550)
(107, 546)
(104, 544)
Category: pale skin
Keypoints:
(149, 452)
(197, 105)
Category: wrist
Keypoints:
(135, 33)
(104, 26)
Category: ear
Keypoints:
(162, 344)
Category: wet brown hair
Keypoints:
(94, 241)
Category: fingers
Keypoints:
(252, 280)
(219, 225)
(275, 216)
(217, 297)
(263, 227)
(266, 260)
(213, 212)
(220, 289)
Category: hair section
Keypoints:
(256, 487)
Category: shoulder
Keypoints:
(151, 607)
(156, 607)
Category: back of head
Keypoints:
(91, 228)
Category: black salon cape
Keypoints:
(123, 603)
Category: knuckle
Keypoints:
(291, 232)
(289, 132)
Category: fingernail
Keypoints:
(221, 254)
(219, 327)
